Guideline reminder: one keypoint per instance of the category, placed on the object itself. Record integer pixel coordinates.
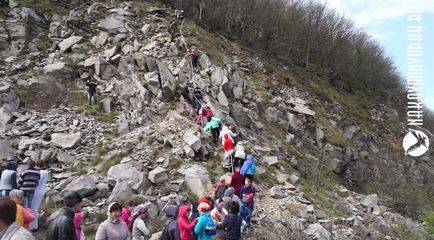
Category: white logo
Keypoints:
(415, 143)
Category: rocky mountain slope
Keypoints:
(315, 146)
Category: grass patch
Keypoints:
(79, 168)
(332, 133)
(428, 221)
(116, 159)
(43, 43)
(96, 111)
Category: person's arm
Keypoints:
(225, 223)
(198, 227)
(14, 180)
(101, 233)
(142, 228)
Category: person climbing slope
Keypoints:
(214, 126)
(249, 167)
(237, 181)
(228, 146)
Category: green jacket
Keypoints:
(214, 123)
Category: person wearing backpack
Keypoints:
(205, 227)
(247, 193)
(171, 230)
(249, 168)
(220, 188)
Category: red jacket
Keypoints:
(185, 226)
(228, 145)
(208, 112)
(237, 181)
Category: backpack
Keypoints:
(210, 228)
(165, 233)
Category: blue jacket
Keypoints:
(199, 229)
(249, 166)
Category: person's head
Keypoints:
(171, 211)
(114, 211)
(222, 179)
(11, 166)
(248, 182)
(128, 204)
(8, 210)
(17, 196)
(234, 207)
(40, 164)
(73, 200)
(32, 164)
(138, 212)
(237, 169)
(203, 208)
(229, 192)
(250, 158)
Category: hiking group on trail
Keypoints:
(224, 215)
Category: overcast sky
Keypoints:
(386, 21)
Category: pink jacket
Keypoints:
(126, 214)
(185, 226)
(78, 219)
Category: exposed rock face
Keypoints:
(66, 140)
(129, 173)
(198, 180)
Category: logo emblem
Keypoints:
(415, 143)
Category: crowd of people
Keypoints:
(26, 190)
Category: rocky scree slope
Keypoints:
(139, 141)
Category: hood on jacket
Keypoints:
(171, 211)
(240, 144)
(229, 192)
(182, 210)
(250, 158)
(225, 128)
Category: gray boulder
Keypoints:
(192, 140)
(270, 160)
(65, 140)
(59, 70)
(240, 116)
(83, 185)
(318, 232)
(128, 173)
(198, 181)
(121, 191)
(69, 42)
(158, 175)
(168, 81)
